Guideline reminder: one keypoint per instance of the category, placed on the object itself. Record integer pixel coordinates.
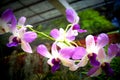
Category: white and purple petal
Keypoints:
(21, 21)
(79, 53)
(7, 15)
(71, 16)
(102, 40)
(101, 56)
(13, 23)
(42, 50)
(55, 33)
(95, 71)
(29, 36)
(90, 43)
(67, 52)
(112, 50)
(26, 47)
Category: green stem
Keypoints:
(69, 25)
(41, 33)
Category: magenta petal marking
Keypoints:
(29, 36)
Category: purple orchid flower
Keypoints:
(7, 22)
(73, 18)
(20, 36)
(56, 57)
(104, 61)
(62, 35)
(93, 45)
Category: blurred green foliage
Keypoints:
(93, 22)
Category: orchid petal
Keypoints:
(101, 55)
(29, 36)
(54, 50)
(90, 43)
(66, 62)
(50, 61)
(71, 16)
(26, 47)
(42, 50)
(12, 44)
(95, 71)
(79, 53)
(77, 27)
(112, 50)
(102, 40)
(13, 23)
(74, 67)
(55, 33)
(11, 38)
(67, 52)
(107, 69)
(83, 62)
(7, 15)
(21, 21)
(70, 35)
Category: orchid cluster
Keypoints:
(64, 51)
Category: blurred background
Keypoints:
(96, 16)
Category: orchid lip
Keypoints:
(93, 60)
(56, 65)
(15, 42)
(107, 69)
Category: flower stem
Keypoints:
(41, 33)
(69, 25)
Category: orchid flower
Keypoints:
(73, 18)
(93, 45)
(20, 36)
(104, 61)
(65, 38)
(7, 22)
(62, 37)
(62, 56)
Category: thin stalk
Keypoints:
(41, 33)
(69, 25)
